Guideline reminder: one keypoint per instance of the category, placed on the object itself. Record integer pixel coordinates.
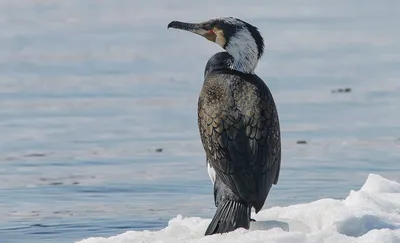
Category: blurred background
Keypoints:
(98, 108)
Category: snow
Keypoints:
(371, 214)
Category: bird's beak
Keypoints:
(194, 28)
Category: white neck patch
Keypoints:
(243, 48)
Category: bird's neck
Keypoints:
(244, 51)
(244, 65)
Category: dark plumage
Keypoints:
(220, 60)
(239, 128)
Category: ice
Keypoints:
(371, 214)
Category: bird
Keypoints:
(238, 122)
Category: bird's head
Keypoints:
(240, 39)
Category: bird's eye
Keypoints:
(207, 26)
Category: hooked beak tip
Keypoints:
(173, 24)
(169, 25)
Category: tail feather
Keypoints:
(230, 215)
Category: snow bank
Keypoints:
(369, 215)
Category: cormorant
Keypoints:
(238, 122)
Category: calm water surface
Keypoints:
(91, 91)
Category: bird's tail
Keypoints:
(230, 215)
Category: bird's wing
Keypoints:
(244, 150)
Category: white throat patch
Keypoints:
(243, 48)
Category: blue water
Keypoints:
(90, 90)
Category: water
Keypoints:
(89, 92)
